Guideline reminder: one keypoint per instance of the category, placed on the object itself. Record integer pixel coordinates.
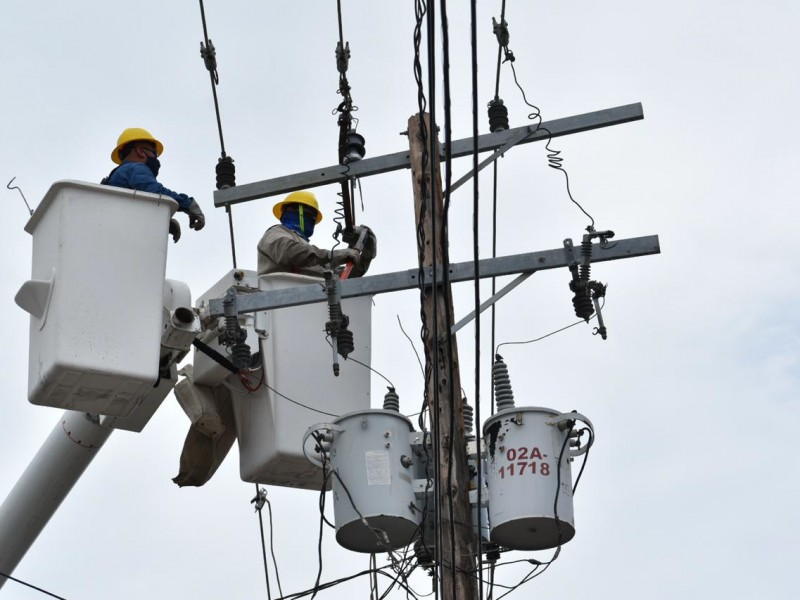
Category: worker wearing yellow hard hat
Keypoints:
(137, 153)
(130, 135)
(286, 248)
(304, 198)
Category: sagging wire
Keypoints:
(547, 335)
(259, 500)
(555, 161)
(413, 347)
(330, 584)
(30, 585)
(24, 199)
(225, 169)
(322, 412)
(366, 366)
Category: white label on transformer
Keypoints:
(378, 472)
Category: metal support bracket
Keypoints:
(490, 301)
(523, 132)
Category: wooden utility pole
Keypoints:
(455, 540)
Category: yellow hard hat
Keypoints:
(301, 197)
(134, 134)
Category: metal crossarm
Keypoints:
(400, 160)
(405, 280)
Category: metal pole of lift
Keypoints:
(59, 463)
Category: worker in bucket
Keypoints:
(285, 248)
(137, 154)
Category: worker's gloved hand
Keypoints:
(350, 236)
(369, 243)
(197, 220)
(174, 230)
(344, 255)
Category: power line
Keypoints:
(30, 585)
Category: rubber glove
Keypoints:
(197, 220)
(174, 230)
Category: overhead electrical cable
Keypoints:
(476, 282)
(430, 142)
(445, 245)
(430, 405)
(547, 335)
(259, 500)
(30, 585)
(413, 347)
(496, 127)
(225, 169)
(351, 144)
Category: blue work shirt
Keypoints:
(138, 176)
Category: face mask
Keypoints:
(296, 220)
(153, 164)
(306, 223)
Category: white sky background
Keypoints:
(691, 490)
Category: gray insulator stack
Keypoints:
(391, 401)
(503, 394)
(469, 421)
(235, 336)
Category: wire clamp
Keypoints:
(209, 55)
(260, 499)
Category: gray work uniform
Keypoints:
(282, 250)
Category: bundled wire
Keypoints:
(431, 354)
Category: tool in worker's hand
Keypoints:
(361, 233)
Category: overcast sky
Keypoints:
(691, 490)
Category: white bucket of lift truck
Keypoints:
(299, 384)
(530, 477)
(95, 297)
(373, 486)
